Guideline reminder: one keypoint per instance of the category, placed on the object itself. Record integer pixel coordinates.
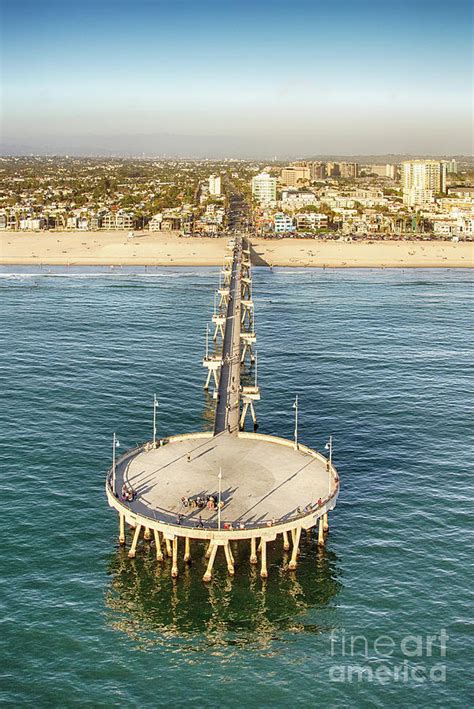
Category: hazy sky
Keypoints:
(262, 77)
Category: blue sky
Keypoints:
(269, 76)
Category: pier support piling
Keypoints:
(229, 559)
(159, 553)
(147, 534)
(263, 568)
(325, 522)
(133, 548)
(294, 554)
(293, 537)
(121, 529)
(187, 550)
(174, 566)
(208, 574)
(321, 532)
(286, 542)
(253, 550)
(169, 552)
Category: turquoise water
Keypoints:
(381, 359)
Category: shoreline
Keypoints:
(168, 249)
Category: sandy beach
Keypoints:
(168, 249)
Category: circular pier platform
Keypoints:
(267, 486)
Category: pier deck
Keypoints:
(264, 480)
(227, 410)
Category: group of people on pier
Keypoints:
(200, 503)
(128, 493)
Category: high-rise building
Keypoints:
(294, 176)
(451, 167)
(332, 169)
(421, 180)
(215, 185)
(318, 170)
(348, 169)
(264, 187)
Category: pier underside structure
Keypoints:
(228, 485)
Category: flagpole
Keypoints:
(219, 499)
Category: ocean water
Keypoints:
(380, 359)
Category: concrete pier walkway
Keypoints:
(227, 410)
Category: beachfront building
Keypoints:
(78, 222)
(155, 222)
(215, 185)
(32, 223)
(118, 220)
(308, 221)
(282, 223)
(8, 219)
(264, 188)
(462, 226)
(171, 222)
(422, 180)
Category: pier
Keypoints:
(229, 486)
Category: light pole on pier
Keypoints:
(115, 444)
(207, 341)
(155, 406)
(295, 406)
(219, 497)
(328, 447)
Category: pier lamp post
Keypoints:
(155, 406)
(328, 447)
(295, 406)
(207, 341)
(115, 444)
(219, 477)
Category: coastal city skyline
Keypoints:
(253, 80)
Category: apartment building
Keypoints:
(282, 223)
(215, 185)
(294, 176)
(264, 188)
(118, 220)
(422, 180)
